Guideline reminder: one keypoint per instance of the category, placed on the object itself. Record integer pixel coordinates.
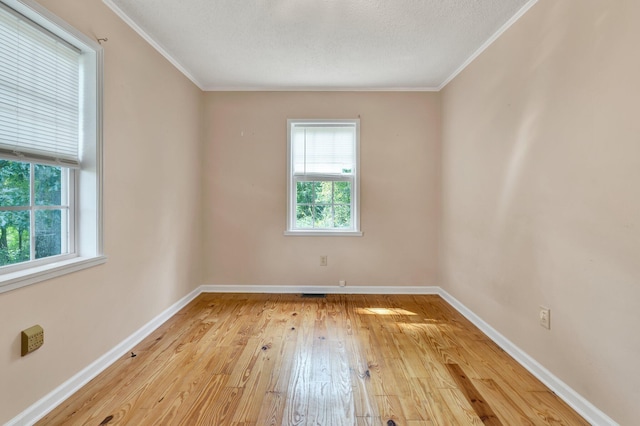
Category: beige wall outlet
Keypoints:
(32, 339)
(545, 317)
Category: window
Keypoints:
(34, 205)
(50, 146)
(323, 177)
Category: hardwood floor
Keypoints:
(240, 359)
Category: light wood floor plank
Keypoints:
(264, 359)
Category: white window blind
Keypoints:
(327, 149)
(39, 93)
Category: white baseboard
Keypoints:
(287, 289)
(39, 409)
(50, 401)
(583, 407)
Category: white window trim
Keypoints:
(355, 231)
(88, 183)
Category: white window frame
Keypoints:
(68, 230)
(291, 228)
(85, 193)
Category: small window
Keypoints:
(323, 177)
(50, 146)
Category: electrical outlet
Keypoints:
(32, 339)
(342, 283)
(323, 260)
(545, 317)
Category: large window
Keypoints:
(323, 183)
(50, 146)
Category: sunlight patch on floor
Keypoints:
(384, 311)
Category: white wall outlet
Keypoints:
(323, 260)
(545, 317)
(342, 283)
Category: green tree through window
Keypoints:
(24, 214)
(323, 204)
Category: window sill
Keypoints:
(309, 233)
(14, 280)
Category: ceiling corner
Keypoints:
(157, 46)
(488, 43)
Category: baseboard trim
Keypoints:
(583, 407)
(50, 401)
(42, 407)
(288, 289)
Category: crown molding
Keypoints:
(206, 88)
(160, 48)
(488, 43)
(317, 89)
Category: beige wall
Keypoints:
(540, 160)
(152, 214)
(245, 191)
(541, 206)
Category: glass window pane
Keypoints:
(14, 183)
(342, 193)
(342, 216)
(304, 192)
(14, 237)
(304, 217)
(323, 192)
(48, 185)
(323, 217)
(49, 232)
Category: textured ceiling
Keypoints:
(320, 44)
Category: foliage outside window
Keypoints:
(34, 211)
(323, 177)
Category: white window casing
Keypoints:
(325, 152)
(55, 119)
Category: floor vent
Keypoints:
(314, 295)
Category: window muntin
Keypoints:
(323, 204)
(36, 215)
(323, 176)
